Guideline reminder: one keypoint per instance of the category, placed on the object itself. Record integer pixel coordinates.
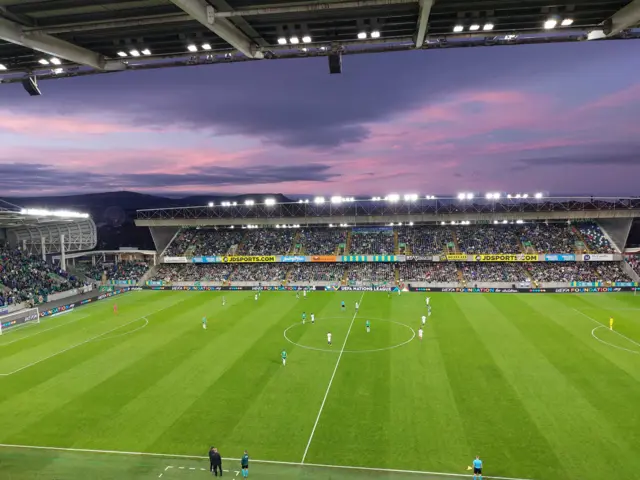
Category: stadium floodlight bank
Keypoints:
(16, 319)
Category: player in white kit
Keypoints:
(304, 293)
(313, 318)
(428, 300)
(357, 306)
(329, 338)
(256, 297)
(224, 301)
(424, 320)
(420, 333)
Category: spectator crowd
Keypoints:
(29, 278)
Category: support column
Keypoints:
(43, 247)
(63, 257)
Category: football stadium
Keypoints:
(394, 337)
(390, 337)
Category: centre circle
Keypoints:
(323, 322)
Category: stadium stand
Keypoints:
(204, 242)
(29, 278)
(259, 272)
(317, 272)
(216, 272)
(123, 271)
(440, 272)
(576, 272)
(372, 273)
(322, 241)
(267, 242)
(424, 240)
(498, 272)
(634, 262)
(372, 243)
(594, 238)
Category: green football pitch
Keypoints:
(537, 385)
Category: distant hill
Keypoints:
(114, 212)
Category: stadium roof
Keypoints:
(14, 216)
(60, 38)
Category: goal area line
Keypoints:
(273, 462)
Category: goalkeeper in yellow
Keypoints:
(610, 323)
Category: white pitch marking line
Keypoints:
(326, 394)
(42, 331)
(273, 462)
(160, 476)
(602, 325)
(86, 341)
(593, 334)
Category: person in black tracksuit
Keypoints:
(212, 452)
(216, 461)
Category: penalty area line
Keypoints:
(273, 462)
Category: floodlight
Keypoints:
(306, 39)
(489, 196)
(453, 222)
(411, 224)
(505, 221)
(300, 201)
(122, 54)
(206, 46)
(525, 195)
(249, 202)
(336, 199)
(146, 51)
(474, 27)
(294, 40)
(519, 221)
(458, 29)
(270, 201)
(43, 61)
(55, 61)
(232, 226)
(469, 196)
(518, 195)
(538, 195)
(362, 35)
(411, 197)
(495, 222)
(331, 225)
(226, 204)
(551, 23)
(40, 212)
(134, 53)
(508, 195)
(487, 27)
(192, 48)
(211, 204)
(282, 41)
(461, 196)
(393, 198)
(567, 22)
(2, 67)
(234, 203)
(306, 200)
(278, 226)
(375, 34)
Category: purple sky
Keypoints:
(559, 118)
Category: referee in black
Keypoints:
(215, 461)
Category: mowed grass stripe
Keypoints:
(559, 406)
(359, 403)
(154, 352)
(425, 422)
(282, 417)
(72, 374)
(607, 425)
(496, 422)
(259, 404)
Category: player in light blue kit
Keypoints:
(304, 317)
(477, 468)
(342, 305)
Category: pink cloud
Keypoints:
(57, 125)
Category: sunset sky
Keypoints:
(560, 118)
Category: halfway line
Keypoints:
(326, 394)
